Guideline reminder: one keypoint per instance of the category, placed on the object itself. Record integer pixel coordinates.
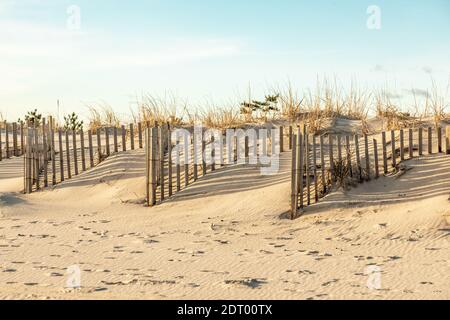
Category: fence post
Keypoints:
(178, 167)
(124, 138)
(131, 136)
(61, 155)
(420, 142)
(7, 140)
(153, 164)
(161, 162)
(45, 152)
(170, 163)
(367, 155)
(99, 144)
(91, 150)
(411, 143)
(447, 140)
(439, 137)
(300, 156)
(307, 173)
(290, 137)
(139, 135)
(394, 151)
(75, 151)
(186, 143)
(116, 143)
(29, 162)
(430, 140)
(52, 150)
(316, 192)
(14, 132)
(147, 166)
(1, 144)
(83, 153)
(203, 154)
(281, 139)
(375, 156)
(358, 158)
(331, 155)
(108, 149)
(69, 171)
(22, 139)
(383, 142)
(294, 191)
(322, 164)
(339, 145)
(402, 145)
(349, 155)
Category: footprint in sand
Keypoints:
(249, 283)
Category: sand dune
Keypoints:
(226, 237)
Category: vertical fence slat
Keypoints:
(139, 135)
(1, 146)
(411, 143)
(281, 139)
(108, 149)
(367, 156)
(7, 140)
(339, 146)
(430, 140)
(331, 154)
(61, 155)
(14, 132)
(99, 145)
(22, 139)
(348, 153)
(402, 145)
(420, 142)
(394, 150)
(300, 174)
(375, 157)
(131, 136)
(116, 142)
(322, 164)
(439, 138)
(69, 171)
(186, 143)
(53, 152)
(358, 158)
(124, 138)
(83, 151)
(294, 190)
(75, 151)
(447, 140)
(161, 163)
(91, 149)
(307, 169)
(153, 164)
(384, 146)
(170, 162)
(316, 191)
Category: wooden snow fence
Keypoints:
(54, 155)
(320, 162)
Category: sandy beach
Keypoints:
(225, 237)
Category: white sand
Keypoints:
(226, 237)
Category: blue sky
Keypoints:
(211, 51)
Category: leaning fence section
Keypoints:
(176, 158)
(53, 154)
(12, 139)
(321, 162)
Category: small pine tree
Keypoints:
(269, 105)
(71, 122)
(33, 117)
